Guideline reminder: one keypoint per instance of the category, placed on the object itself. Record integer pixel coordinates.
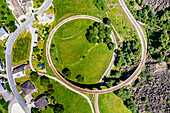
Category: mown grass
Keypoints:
(72, 102)
(110, 103)
(76, 53)
(120, 20)
(66, 8)
(21, 48)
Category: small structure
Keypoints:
(45, 19)
(42, 65)
(2, 87)
(3, 33)
(7, 96)
(41, 103)
(19, 71)
(27, 88)
(27, 67)
(4, 92)
(20, 8)
(1, 66)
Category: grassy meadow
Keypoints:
(76, 53)
(21, 48)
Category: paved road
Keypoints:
(31, 50)
(126, 82)
(9, 45)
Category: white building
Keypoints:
(45, 19)
(19, 72)
(3, 33)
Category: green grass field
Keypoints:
(72, 45)
(67, 8)
(110, 103)
(21, 48)
(2, 55)
(120, 20)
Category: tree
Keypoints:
(124, 94)
(50, 89)
(80, 78)
(34, 110)
(107, 40)
(144, 74)
(111, 45)
(52, 46)
(94, 40)
(131, 105)
(138, 1)
(34, 76)
(115, 74)
(66, 72)
(44, 80)
(133, 3)
(144, 99)
(110, 82)
(35, 16)
(59, 108)
(106, 21)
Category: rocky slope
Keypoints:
(158, 5)
(155, 89)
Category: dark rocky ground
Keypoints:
(155, 88)
(158, 5)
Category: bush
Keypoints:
(133, 3)
(44, 81)
(34, 76)
(143, 99)
(80, 78)
(111, 45)
(66, 72)
(59, 108)
(106, 21)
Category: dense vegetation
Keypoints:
(6, 17)
(157, 28)
(37, 3)
(125, 95)
(99, 33)
(129, 54)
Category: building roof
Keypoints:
(18, 69)
(41, 102)
(25, 1)
(27, 67)
(18, 11)
(3, 31)
(7, 96)
(27, 87)
(2, 88)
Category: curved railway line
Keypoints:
(131, 78)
